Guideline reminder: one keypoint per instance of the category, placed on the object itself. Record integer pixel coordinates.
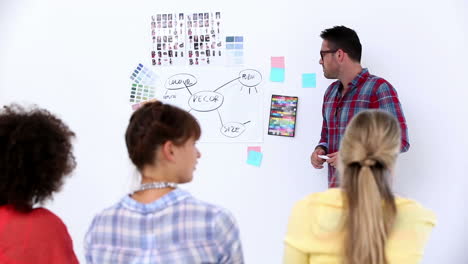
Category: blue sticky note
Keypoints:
(229, 39)
(254, 158)
(309, 80)
(277, 75)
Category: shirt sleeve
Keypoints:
(64, 249)
(411, 233)
(324, 134)
(387, 99)
(297, 235)
(294, 256)
(53, 237)
(228, 238)
(88, 242)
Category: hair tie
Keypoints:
(368, 163)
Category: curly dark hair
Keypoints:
(154, 124)
(35, 155)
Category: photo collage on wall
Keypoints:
(204, 38)
(187, 39)
(168, 38)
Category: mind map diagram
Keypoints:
(208, 101)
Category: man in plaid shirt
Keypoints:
(354, 91)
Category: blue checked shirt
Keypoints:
(177, 228)
(366, 91)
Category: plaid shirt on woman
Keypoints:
(177, 228)
(366, 91)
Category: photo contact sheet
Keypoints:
(187, 39)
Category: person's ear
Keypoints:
(340, 54)
(168, 151)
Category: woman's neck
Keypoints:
(151, 195)
(149, 175)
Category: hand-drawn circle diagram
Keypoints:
(207, 101)
(180, 81)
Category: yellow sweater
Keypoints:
(315, 233)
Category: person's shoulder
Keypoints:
(208, 207)
(220, 219)
(315, 215)
(38, 214)
(45, 223)
(39, 217)
(316, 205)
(375, 77)
(331, 197)
(45, 216)
(379, 81)
(411, 210)
(107, 214)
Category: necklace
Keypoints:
(155, 185)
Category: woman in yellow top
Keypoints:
(362, 222)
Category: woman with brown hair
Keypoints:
(362, 222)
(159, 222)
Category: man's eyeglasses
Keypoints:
(323, 52)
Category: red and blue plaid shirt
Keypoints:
(366, 91)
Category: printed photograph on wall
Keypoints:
(283, 111)
(187, 39)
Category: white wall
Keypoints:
(75, 58)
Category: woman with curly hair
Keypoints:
(159, 222)
(35, 156)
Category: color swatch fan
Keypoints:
(143, 75)
(143, 86)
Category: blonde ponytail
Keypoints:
(367, 153)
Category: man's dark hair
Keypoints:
(341, 37)
(154, 124)
(35, 155)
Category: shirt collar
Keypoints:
(360, 78)
(165, 201)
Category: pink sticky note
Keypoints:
(254, 148)
(277, 62)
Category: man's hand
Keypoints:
(315, 160)
(333, 160)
